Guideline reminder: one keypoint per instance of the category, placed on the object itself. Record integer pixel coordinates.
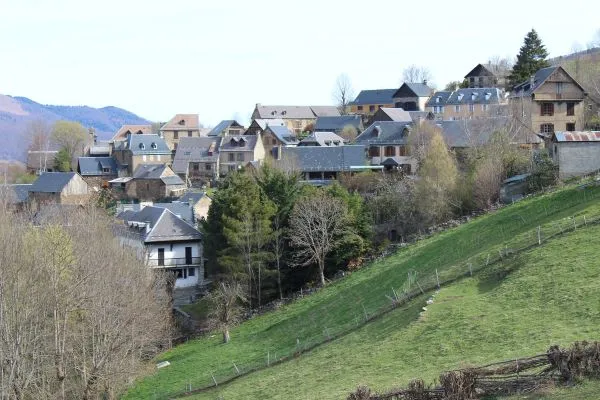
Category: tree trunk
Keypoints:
(322, 272)
(279, 280)
(226, 335)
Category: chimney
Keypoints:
(424, 81)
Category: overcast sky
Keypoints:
(219, 58)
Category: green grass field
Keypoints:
(545, 296)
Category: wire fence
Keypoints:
(322, 326)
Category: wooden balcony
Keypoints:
(175, 262)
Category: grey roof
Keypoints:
(327, 158)
(149, 171)
(293, 112)
(164, 225)
(463, 133)
(409, 89)
(263, 123)
(144, 144)
(439, 98)
(182, 210)
(15, 193)
(322, 139)
(195, 149)
(375, 96)
(223, 125)
(338, 123)
(479, 70)
(232, 143)
(41, 159)
(396, 114)
(325, 111)
(191, 197)
(52, 182)
(283, 134)
(420, 115)
(172, 180)
(100, 148)
(473, 96)
(93, 166)
(526, 89)
(385, 132)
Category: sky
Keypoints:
(219, 58)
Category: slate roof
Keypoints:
(582, 136)
(133, 129)
(474, 96)
(479, 70)
(223, 125)
(231, 143)
(294, 112)
(442, 95)
(338, 123)
(457, 133)
(420, 115)
(263, 123)
(385, 132)
(326, 158)
(100, 148)
(182, 210)
(413, 89)
(157, 171)
(164, 226)
(52, 182)
(322, 139)
(374, 96)
(172, 180)
(283, 134)
(396, 114)
(93, 166)
(144, 144)
(195, 149)
(182, 122)
(526, 89)
(41, 159)
(15, 193)
(191, 197)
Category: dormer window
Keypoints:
(242, 142)
(473, 96)
(182, 122)
(233, 142)
(328, 143)
(437, 99)
(488, 95)
(142, 146)
(376, 131)
(154, 146)
(283, 112)
(273, 112)
(336, 142)
(460, 97)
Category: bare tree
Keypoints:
(317, 224)
(343, 93)
(349, 133)
(415, 73)
(227, 301)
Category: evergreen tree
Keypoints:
(62, 162)
(531, 57)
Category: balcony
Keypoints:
(175, 262)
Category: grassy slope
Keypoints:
(342, 302)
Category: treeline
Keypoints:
(78, 313)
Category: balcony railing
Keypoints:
(175, 262)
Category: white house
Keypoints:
(164, 241)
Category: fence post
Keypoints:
(574, 224)
(488, 260)
(418, 284)
(471, 269)
(237, 370)
(214, 380)
(539, 233)
(268, 358)
(437, 277)
(365, 311)
(584, 220)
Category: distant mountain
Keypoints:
(17, 112)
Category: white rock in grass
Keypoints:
(163, 364)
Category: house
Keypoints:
(236, 152)
(165, 242)
(297, 118)
(575, 153)
(387, 145)
(39, 161)
(259, 125)
(550, 101)
(412, 96)
(15, 195)
(274, 137)
(126, 130)
(339, 124)
(137, 149)
(99, 149)
(322, 139)
(181, 210)
(390, 114)
(487, 76)
(97, 171)
(325, 163)
(467, 103)
(369, 101)
(64, 188)
(197, 160)
(150, 182)
(199, 202)
(227, 128)
(181, 125)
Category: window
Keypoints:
(232, 168)
(547, 109)
(471, 107)
(231, 156)
(484, 107)
(371, 108)
(179, 273)
(559, 87)
(456, 108)
(374, 151)
(570, 108)
(158, 157)
(189, 133)
(359, 108)
(402, 152)
(390, 151)
(196, 166)
(240, 156)
(106, 170)
(161, 256)
(144, 157)
(175, 134)
(547, 128)
(570, 126)
(191, 271)
(207, 167)
(151, 157)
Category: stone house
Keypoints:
(199, 202)
(181, 125)
(487, 76)
(467, 104)
(369, 101)
(259, 125)
(412, 96)
(227, 128)
(387, 145)
(575, 153)
(127, 130)
(97, 171)
(165, 242)
(137, 150)
(197, 160)
(236, 152)
(150, 182)
(275, 137)
(64, 188)
(550, 101)
(297, 118)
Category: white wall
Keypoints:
(175, 256)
